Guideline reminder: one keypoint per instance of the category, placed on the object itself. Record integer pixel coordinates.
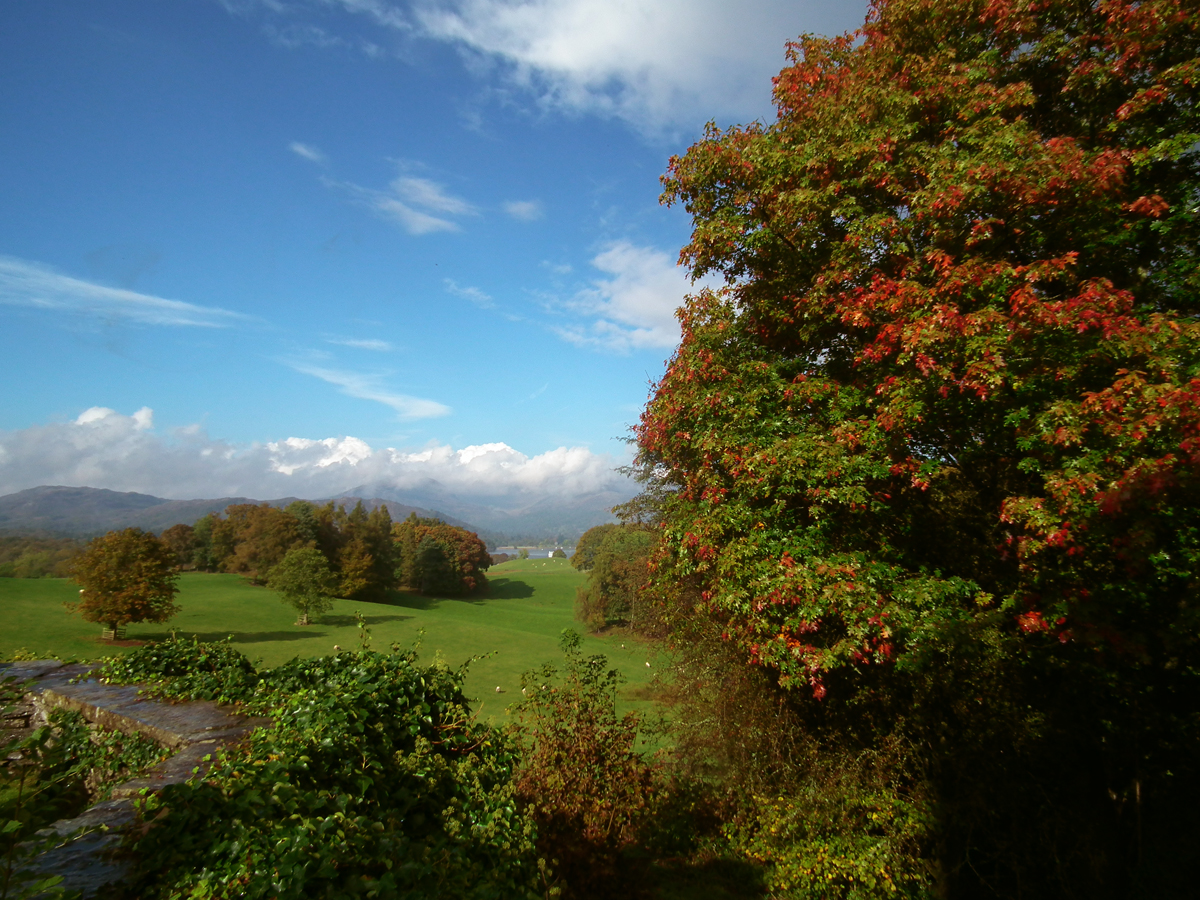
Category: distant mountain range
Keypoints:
(85, 512)
(526, 520)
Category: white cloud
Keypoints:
(635, 307)
(361, 344)
(295, 35)
(367, 387)
(524, 210)
(103, 448)
(399, 203)
(431, 195)
(474, 294)
(142, 420)
(30, 284)
(308, 151)
(663, 64)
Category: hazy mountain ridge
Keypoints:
(85, 511)
(529, 519)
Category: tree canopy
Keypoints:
(304, 580)
(436, 558)
(126, 576)
(942, 419)
(589, 545)
(617, 557)
(252, 539)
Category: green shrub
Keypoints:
(836, 838)
(580, 777)
(185, 670)
(371, 780)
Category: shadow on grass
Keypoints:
(412, 600)
(344, 621)
(239, 637)
(649, 691)
(509, 589)
(408, 600)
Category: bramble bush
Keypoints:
(582, 780)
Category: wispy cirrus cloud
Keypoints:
(295, 35)
(368, 387)
(432, 196)
(420, 206)
(361, 344)
(524, 210)
(467, 292)
(307, 151)
(29, 284)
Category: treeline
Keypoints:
(368, 552)
(616, 559)
(36, 557)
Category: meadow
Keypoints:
(515, 627)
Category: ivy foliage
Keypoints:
(931, 456)
(371, 779)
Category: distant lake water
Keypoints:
(534, 553)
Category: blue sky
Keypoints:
(392, 232)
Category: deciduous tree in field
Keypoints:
(182, 539)
(932, 456)
(256, 537)
(304, 579)
(126, 576)
(617, 575)
(366, 556)
(440, 558)
(589, 546)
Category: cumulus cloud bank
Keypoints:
(103, 448)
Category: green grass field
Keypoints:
(516, 626)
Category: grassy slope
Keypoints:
(518, 624)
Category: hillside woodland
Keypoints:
(36, 557)
(368, 553)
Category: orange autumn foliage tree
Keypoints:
(126, 576)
